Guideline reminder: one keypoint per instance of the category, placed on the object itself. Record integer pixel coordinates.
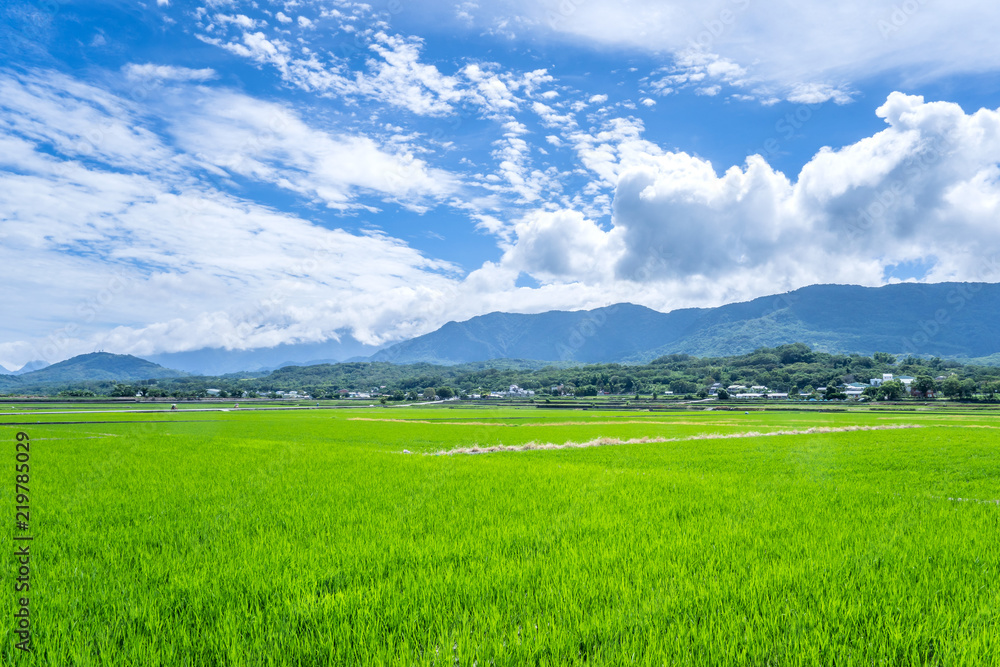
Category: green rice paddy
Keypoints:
(308, 537)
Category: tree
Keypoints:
(429, 394)
(588, 390)
(951, 387)
(683, 387)
(444, 393)
(969, 388)
(411, 395)
(794, 353)
(702, 393)
(723, 395)
(891, 390)
(924, 384)
(123, 390)
(884, 358)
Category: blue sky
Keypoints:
(179, 175)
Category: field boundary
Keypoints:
(604, 442)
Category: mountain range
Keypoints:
(27, 368)
(958, 320)
(951, 320)
(93, 367)
(218, 361)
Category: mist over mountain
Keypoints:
(218, 361)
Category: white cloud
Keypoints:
(400, 78)
(283, 18)
(702, 70)
(552, 118)
(241, 20)
(815, 93)
(683, 235)
(783, 46)
(148, 258)
(151, 72)
(271, 143)
(559, 245)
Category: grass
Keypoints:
(309, 538)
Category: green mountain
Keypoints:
(94, 367)
(954, 320)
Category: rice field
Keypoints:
(437, 536)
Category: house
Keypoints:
(517, 391)
(213, 392)
(906, 380)
(855, 389)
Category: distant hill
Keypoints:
(956, 320)
(31, 366)
(94, 367)
(218, 361)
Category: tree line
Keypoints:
(793, 368)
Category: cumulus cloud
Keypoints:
(917, 191)
(559, 245)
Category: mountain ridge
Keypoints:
(92, 367)
(955, 320)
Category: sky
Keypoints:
(223, 174)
